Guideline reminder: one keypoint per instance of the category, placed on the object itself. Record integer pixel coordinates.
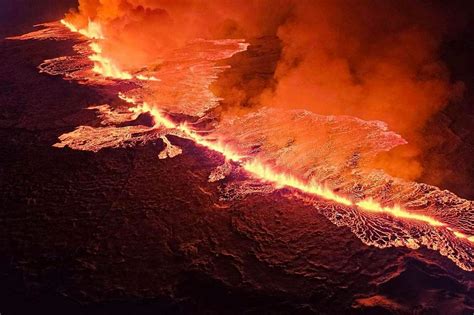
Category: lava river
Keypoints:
(321, 159)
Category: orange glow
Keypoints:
(127, 99)
(464, 236)
(280, 179)
(443, 224)
(255, 167)
(217, 145)
(146, 78)
(373, 206)
(103, 65)
(158, 118)
(93, 30)
(262, 171)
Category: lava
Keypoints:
(103, 65)
(259, 167)
(253, 166)
(396, 211)
(158, 118)
(93, 30)
(264, 172)
(281, 179)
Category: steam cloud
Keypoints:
(370, 59)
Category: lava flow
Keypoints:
(93, 30)
(102, 65)
(185, 83)
(266, 173)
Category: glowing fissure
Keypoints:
(396, 211)
(93, 30)
(280, 179)
(102, 65)
(447, 231)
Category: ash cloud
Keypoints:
(377, 60)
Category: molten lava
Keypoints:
(93, 30)
(396, 211)
(280, 179)
(440, 232)
(103, 66)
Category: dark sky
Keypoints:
(18, 15)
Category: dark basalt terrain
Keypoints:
(122, 232)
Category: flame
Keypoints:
(257, 168)
(158, 118)
(93, 30)
(127, 99)
(103, 65)
(396, 211)
(146, 78)
(215, 145)
(281, 179)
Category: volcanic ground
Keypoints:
(121, 231)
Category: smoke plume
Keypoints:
(140, 32)
(377, 60)
(373, 60)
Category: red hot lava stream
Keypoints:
(280, 179)
(266, 173)
(253, 165)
